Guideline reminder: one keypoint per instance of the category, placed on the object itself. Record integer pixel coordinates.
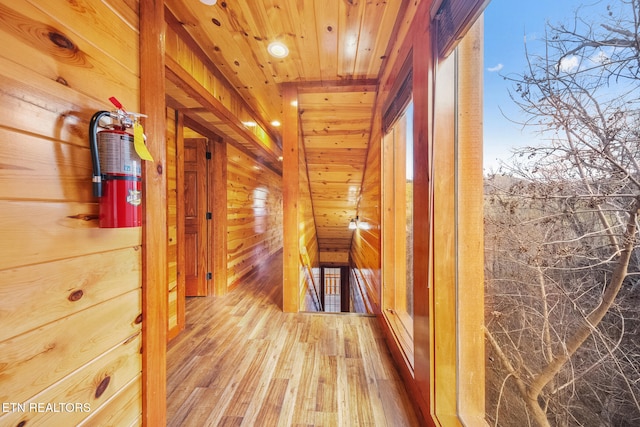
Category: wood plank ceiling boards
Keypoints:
(336, 50)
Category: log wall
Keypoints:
(254, 214)
(70, 292)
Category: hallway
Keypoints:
(242, 361)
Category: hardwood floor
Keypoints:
(241, 361)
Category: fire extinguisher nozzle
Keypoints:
(93, 146)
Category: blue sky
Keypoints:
(506, 24)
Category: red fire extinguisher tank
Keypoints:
(117, 176)
(121, 203)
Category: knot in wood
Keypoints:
(61, 41)
(102, 387)
(76, 295)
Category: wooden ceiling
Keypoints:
(335, 129)
(336, 50)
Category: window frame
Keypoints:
(396, 127)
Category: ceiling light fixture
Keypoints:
(209, 2)
(353, 224)
(278, 50)
(275, 123)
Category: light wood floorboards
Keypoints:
(243, 362)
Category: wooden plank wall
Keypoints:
(254, 214)
(309, 255)
(365, 246)
(70, 293)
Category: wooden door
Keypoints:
(195, 217)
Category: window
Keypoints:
(397, 176)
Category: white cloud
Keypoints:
(496, 68)
(569, 63)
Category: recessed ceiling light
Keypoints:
(250, 124)
(275, 123)
(209, 2)
(294, 103)
(278, 50)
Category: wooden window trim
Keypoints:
(402, 336)
(394, 221)
(449, 306)
(402, 92)
(458, 266)
(470, 242)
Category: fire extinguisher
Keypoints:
(117, 168)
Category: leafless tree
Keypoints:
(563, 284)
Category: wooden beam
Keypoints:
(198, 124)
(290, 195)
(423, 213)
(181, 78)
(154, 231)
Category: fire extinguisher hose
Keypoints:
(93, 145)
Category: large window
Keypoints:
(562, 196)
(398, 227)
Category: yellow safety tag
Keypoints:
(138, 142)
